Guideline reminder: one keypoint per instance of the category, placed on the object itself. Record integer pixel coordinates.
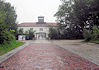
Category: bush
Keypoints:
(87, 35)
(95, 35)
(5, 36)
(29, 34)
(20, 31)
(54, 33)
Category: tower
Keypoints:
(41, 19)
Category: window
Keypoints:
(41, 29)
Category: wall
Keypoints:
(36, 29)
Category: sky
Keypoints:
(29, 10)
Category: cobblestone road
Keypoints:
(41, 56)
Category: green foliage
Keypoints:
(87, 35)
(12, 31)
(95, 12)
(92, 36)
(95, 35)
(7, 22)
(5, 35)
(27, 32)
(8, 14)
(77, 15)
(11, 16)
(2, 16)
(31, 34)
(95, 41)
(53, 33)
(20, 31)
(9, 46)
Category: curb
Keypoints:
(11, 53)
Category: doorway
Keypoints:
(40, 35)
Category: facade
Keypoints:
(41, 28)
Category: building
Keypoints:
(41, 28)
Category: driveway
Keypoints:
(43, 55)
(89, 51)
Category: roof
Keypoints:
(34, 24)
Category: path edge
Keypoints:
(11, 53)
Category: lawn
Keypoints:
(8, 47)
(92, 41)
(95, 41)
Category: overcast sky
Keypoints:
(29, 10)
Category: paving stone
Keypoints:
(46, 56)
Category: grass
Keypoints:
(92, 41)
(8, 47)
(95, 41)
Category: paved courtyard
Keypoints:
(43, 55)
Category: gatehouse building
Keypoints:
(41, 28)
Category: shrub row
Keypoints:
(5, 35)
(91, 34)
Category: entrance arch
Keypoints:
(41, 35)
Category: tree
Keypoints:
(31, 34)
(54, 33)
(77, 15)
(95, 34)
(68, 21)
(95, 12)
(87, 35)
(20, 31)
(5, 35)
(10, 16)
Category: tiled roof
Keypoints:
(34, 24)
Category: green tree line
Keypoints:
(76, 19)
(8, 25)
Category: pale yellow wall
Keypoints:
(36, 29)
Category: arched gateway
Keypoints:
(40, 28)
